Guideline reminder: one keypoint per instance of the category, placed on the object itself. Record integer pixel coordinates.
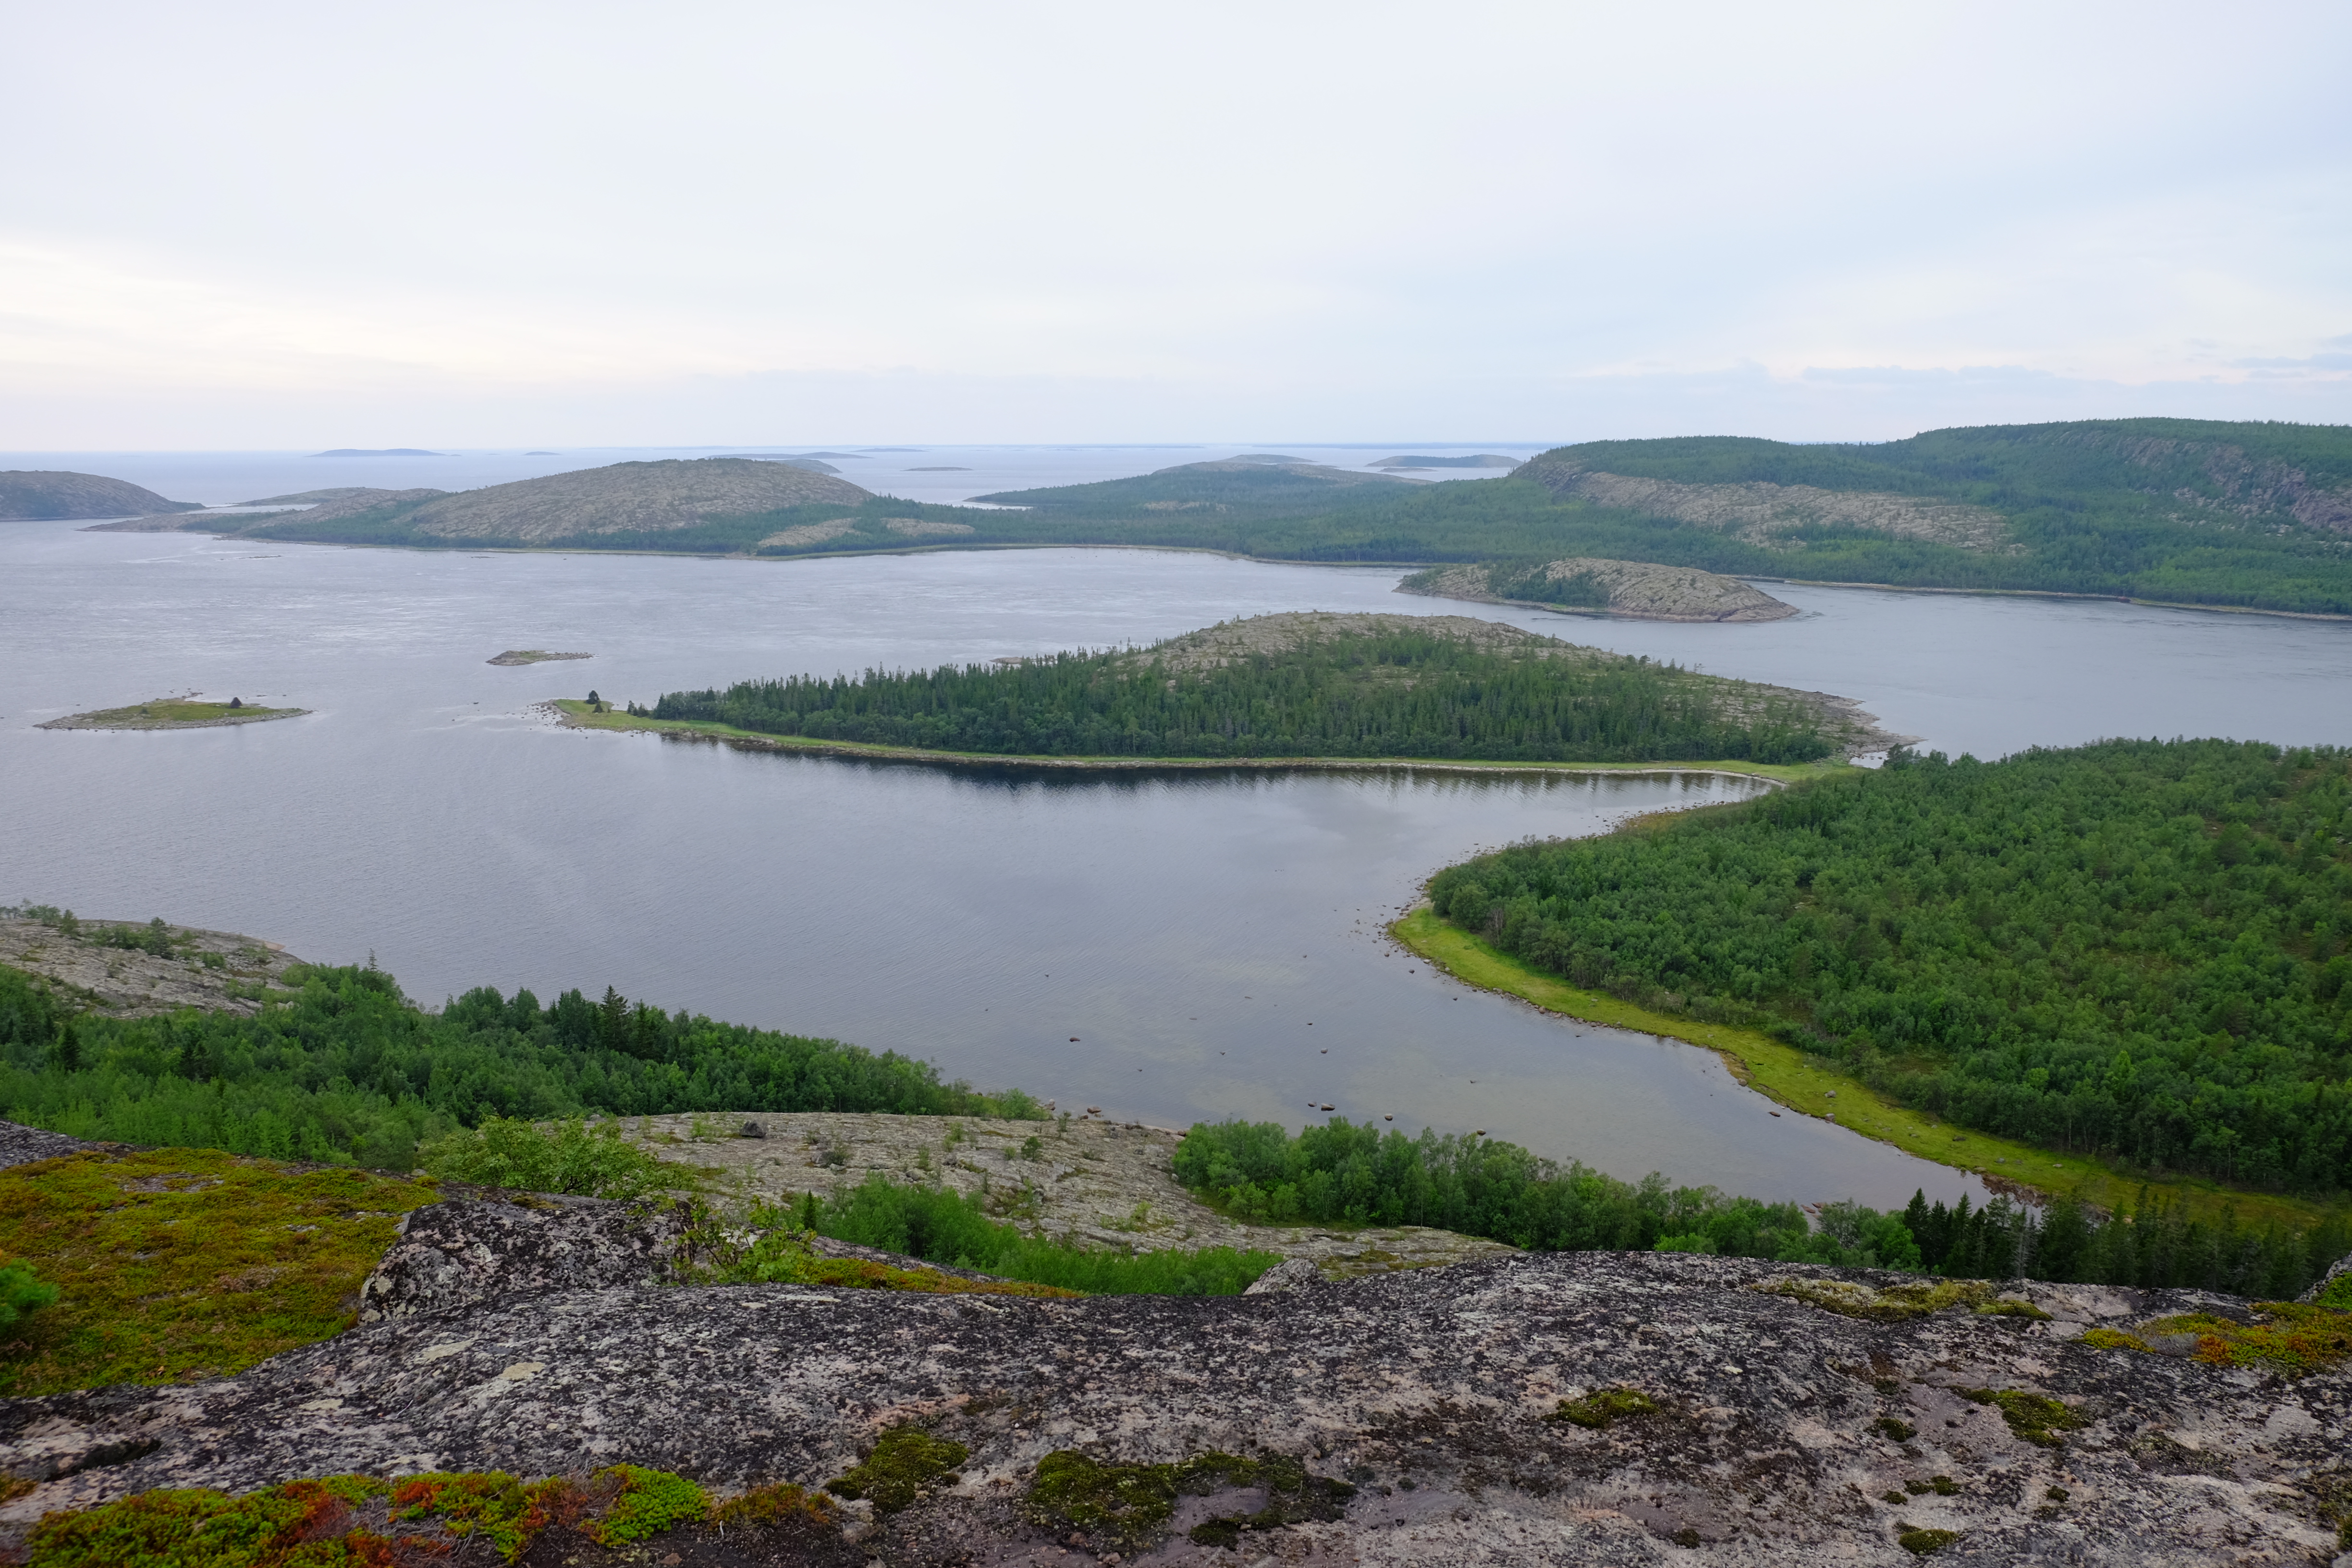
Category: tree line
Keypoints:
(2140, 950)
(348, 1070)
(1373, 694)
(1340, 1173)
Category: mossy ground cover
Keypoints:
(2290, 1338)
(1893, 1304)
(2036, 1417)
(362, 1521)
(1599, 1411)
(180, 1263)
(907, 1463)
(582, 715)
(1811, 1085)
(1131, 1505)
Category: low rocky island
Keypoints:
(1637, 590)
(173, 713)
(514, 656)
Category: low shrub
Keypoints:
(591, 1160)
(945, 1228)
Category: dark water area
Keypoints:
(1213, 940)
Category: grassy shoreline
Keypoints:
(1803, 1083)
(576, 715)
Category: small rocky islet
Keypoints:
(173, 713)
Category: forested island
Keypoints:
(2139, 950)
(1299, 686)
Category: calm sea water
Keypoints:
(1212, 942)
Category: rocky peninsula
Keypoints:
(1637, 590)
(29, 494)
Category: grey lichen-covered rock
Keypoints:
(215, 970)
(21, 1145)
(1586, 1408)
(458, 1255)
(1091, 1183)
(1287, 1275)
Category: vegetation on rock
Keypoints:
(2036, 1417)
(1599, 1411)
(360, 1521)
(177, 1263)
(570, 1157)
(945, 1228)
(2139, 948)
(1130, 1505)
(905, 1463)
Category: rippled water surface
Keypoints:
(1211, 941)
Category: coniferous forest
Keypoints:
(349, 1070)
(2136, 949)
(1345, 1175)
(1395, 693)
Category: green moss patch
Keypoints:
(1924, 1542)
(1891, 1304)
(2292, 1338)
(1599, 1411)
(2036, 1417)
(906, 1463)
(182, 1263)
(359, 1522)
(1895, 1430)
(2008, 1307)
(1130, 1505)
(778, 1504)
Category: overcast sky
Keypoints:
(269, 226)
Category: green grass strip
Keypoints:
(1804, 1083)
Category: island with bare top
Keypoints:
(1307, 690)
(173, 713)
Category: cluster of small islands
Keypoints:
(299, 1271)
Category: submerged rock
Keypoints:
(1588, 1408)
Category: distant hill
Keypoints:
(34, 494)
(619, 504)
(2174, 510)
(2254, 516)
(1253, 483)
(1482, 460)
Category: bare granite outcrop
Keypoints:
(1088, 1182)
(1767, 514)
(1588, 1408)
(1638, 590)
(120, 982)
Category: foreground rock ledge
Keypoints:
(1429, 1390)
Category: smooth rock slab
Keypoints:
(1764, 1449)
